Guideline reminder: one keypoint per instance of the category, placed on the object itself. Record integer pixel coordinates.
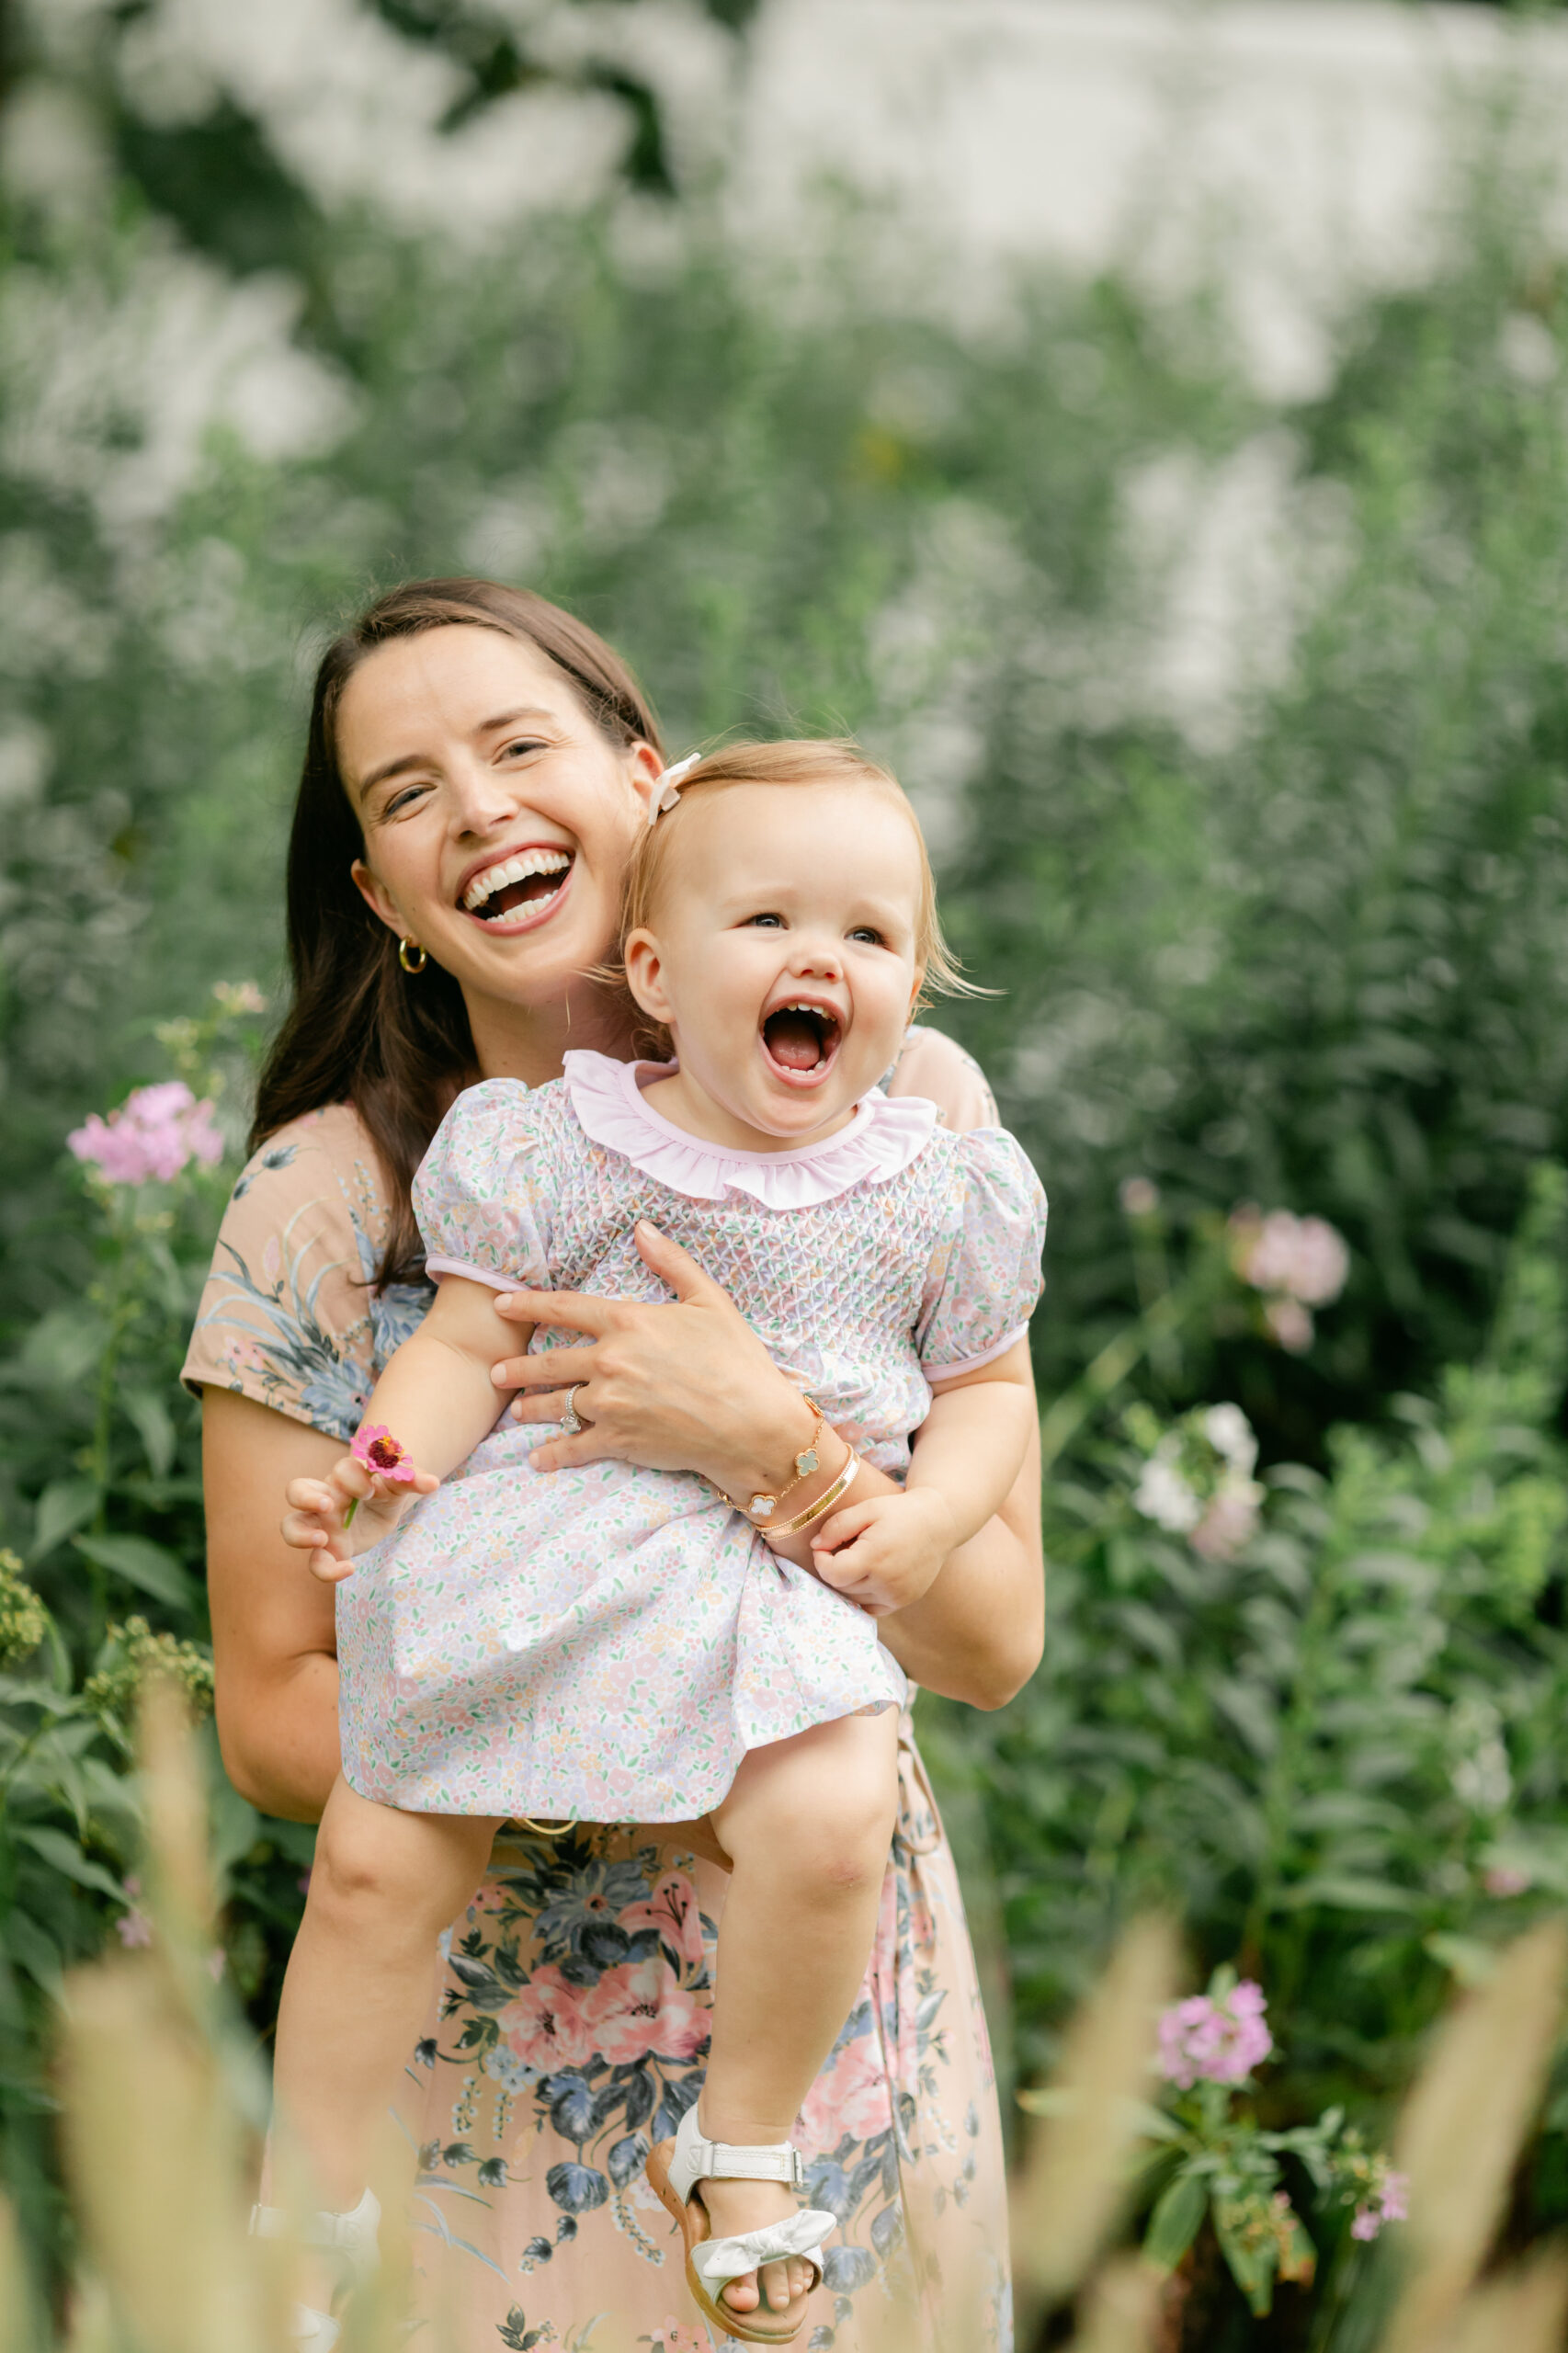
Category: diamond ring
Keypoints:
(571, 1420)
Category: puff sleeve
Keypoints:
(483, 1195)
(984, 1282)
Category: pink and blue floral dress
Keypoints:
(570, 2025)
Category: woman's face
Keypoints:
(497, 816)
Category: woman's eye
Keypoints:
(401, 801)
(523, 744)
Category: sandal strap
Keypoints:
(695, 2160)
(718, 2261)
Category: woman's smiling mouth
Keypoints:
(524, 884)
(800, 1040)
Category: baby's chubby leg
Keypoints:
(807, 1825)
(383, 1886)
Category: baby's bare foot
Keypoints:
(737, 2207)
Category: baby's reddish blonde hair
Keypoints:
(830, 761)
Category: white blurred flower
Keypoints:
(1163, 1494)
(1230, 1433)
(1480, 1776)
(1138, 1196)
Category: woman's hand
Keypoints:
(683, 1386)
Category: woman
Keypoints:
(477, 764)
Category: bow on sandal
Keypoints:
(675, 2167)
(351, 2238)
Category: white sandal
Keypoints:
(352, 2237)
(675, 2167)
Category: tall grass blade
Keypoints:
(1524, 2312)
(1463, 2126)
(1074, 2181)
(1120, 2310)
(16, 2330)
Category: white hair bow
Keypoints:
(666, 787)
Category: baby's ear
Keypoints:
(645, 961)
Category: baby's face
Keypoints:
(782, 956)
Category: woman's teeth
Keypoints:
(507, 875)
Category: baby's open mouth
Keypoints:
(525, 881)
(801, 1038)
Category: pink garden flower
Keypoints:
(1302, 1258)
(1386, 2204)
(1292, 1324)
(376, 1448)
(1229, 1523)
(1505, 1879)
(545, 2025)
(851, 2095)
(642, 2006)
(155, 1133)
(1214, 2041)
(133, 1929)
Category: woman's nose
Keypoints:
(477, 797)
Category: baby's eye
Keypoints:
(772, 922)
(868, 936)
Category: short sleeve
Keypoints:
(290, 1315)
(483, 1195)
(986, 1282)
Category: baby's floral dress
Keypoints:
(570, 2024)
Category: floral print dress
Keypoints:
(570, 2024)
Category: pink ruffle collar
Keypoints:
(882, 1140)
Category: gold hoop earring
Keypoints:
(407, 960)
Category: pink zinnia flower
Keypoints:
(376, 1448)
(156, 1132)
(1216, 2042)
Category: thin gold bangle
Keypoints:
(822, 1502)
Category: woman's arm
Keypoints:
(274, 1643)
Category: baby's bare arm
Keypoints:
(885, 1551)
(438, 1400)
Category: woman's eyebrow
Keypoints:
(406, 760)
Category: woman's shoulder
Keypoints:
(290, 1315)
(938, 1067)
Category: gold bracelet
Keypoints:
(824, 1503)
(762, 1505)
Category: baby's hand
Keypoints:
(884, 1553)
(334, 1518)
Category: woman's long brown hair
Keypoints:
(359, 1029)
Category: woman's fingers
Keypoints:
(676, 1267)
(552, 1369)
(566, 1453)
(571, 1311)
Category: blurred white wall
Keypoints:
(1306, 145)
